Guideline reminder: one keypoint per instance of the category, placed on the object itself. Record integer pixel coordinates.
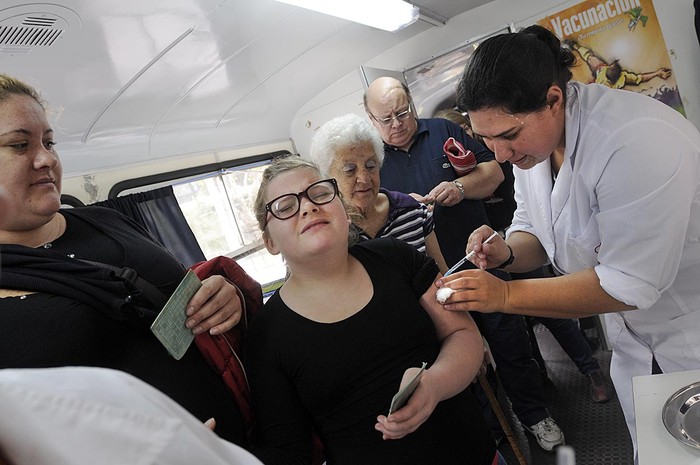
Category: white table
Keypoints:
(656, 445)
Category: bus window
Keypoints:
(219, 210)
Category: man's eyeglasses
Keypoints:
(403, 116)
(287, 205)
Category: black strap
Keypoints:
(114, 292)
(151, 292)
(509, 261)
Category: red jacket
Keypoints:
(223, 352)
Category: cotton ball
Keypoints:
(443, 294)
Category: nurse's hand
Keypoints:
(475, 290)
(490, 254)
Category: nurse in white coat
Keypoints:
(608, 190)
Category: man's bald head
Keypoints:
(385, 98)
(382, 86)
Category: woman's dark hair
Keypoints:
(514, 71)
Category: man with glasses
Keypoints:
(414, 163)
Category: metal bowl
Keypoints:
(681, 415)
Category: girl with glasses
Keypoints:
(330, 348)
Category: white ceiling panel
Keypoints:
(134, 80)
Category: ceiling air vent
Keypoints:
(21, 34)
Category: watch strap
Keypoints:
(461, 189)
(509, 261)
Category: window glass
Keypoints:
(219, 209)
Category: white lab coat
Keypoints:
(626, 202)
(89, 416)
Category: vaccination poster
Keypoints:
(618, 43)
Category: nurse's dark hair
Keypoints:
(513, 72)
(12, 86)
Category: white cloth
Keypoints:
(626, 202)
(88, 416)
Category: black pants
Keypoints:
(517, 370)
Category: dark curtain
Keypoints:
(696, 3)
(159, 212)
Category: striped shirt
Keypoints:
(408, 220)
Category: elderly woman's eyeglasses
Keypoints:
(403, 116)
(287, 205)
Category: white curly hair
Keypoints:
(343, 131)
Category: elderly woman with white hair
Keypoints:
(349, 149)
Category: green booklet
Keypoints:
(401, 398)
(169, 326)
